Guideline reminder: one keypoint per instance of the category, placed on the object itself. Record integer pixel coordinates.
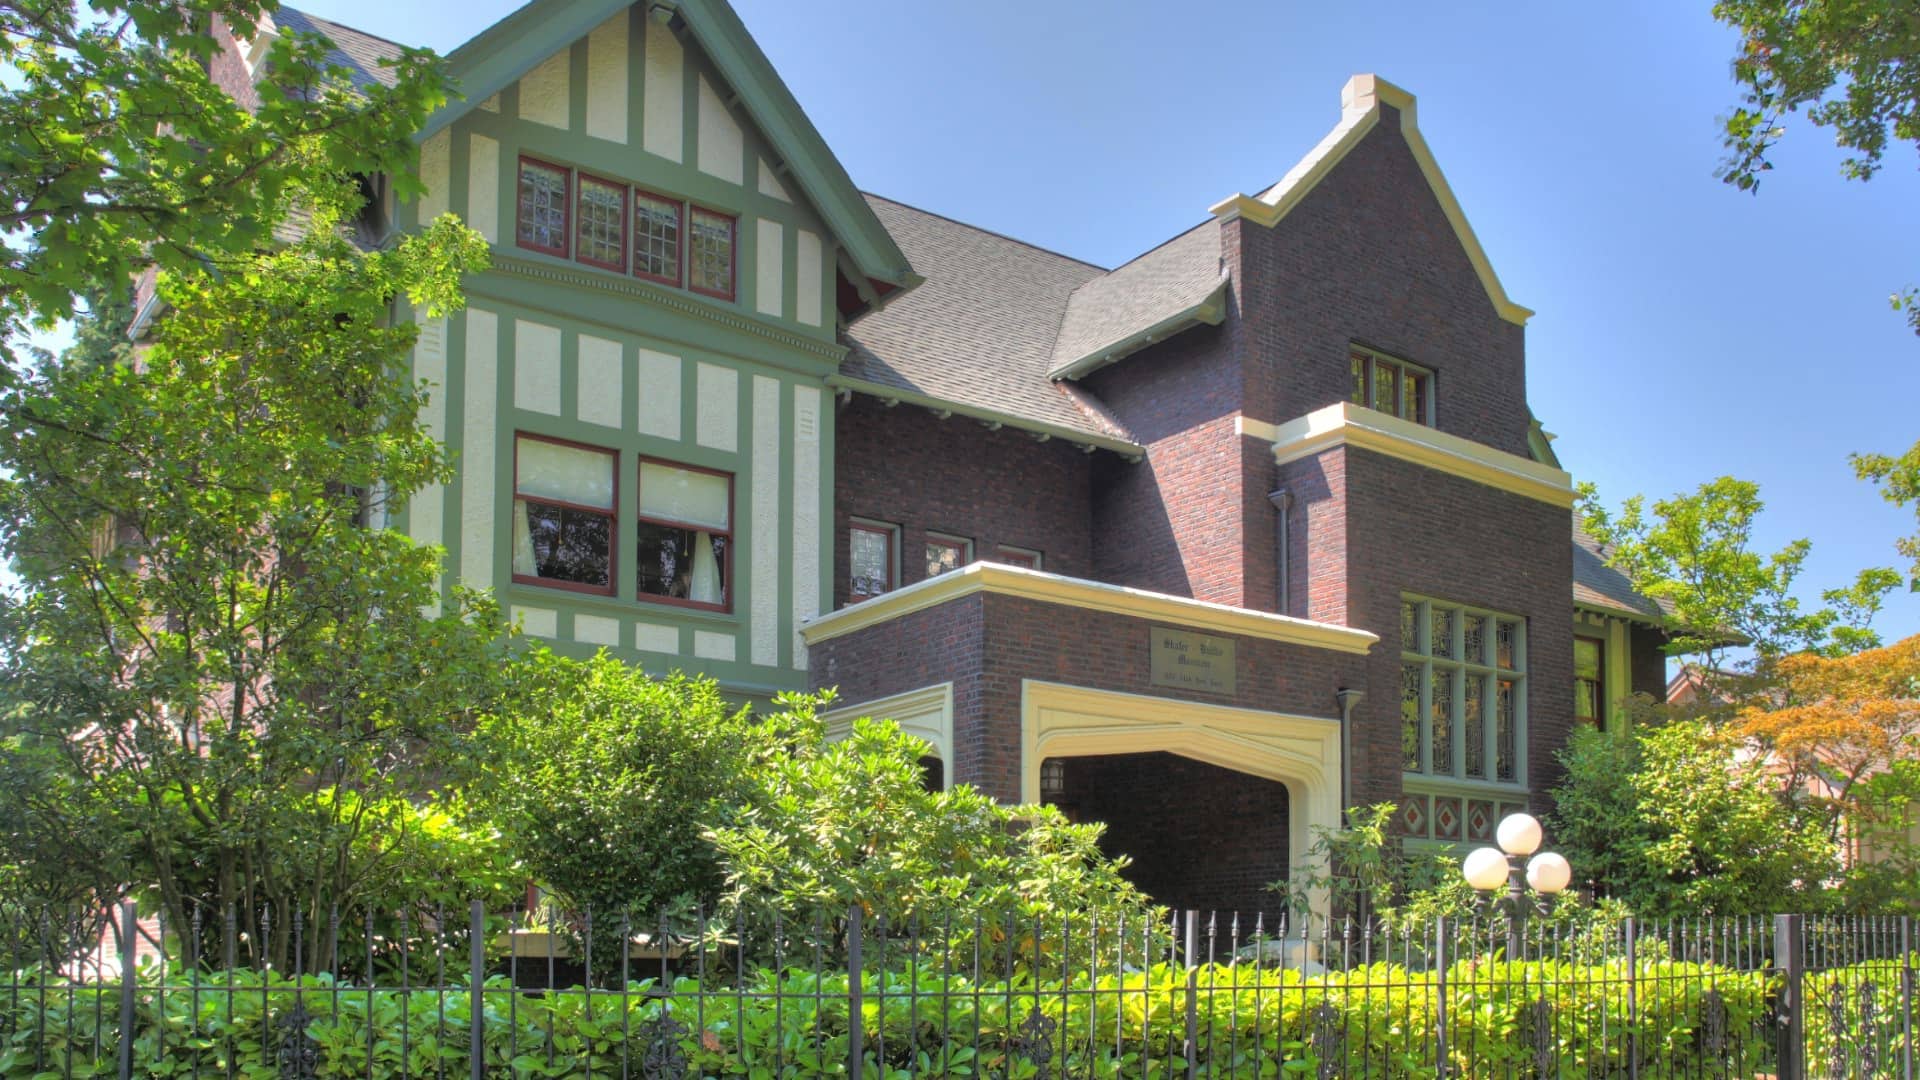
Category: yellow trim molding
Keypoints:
(986, 577)
(1264, 430)
(1301, 752)
(1360, 102)
(926, 713)
(1347, 424)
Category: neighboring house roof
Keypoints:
(510, 48)
(1597, 585)
(1174, 286)
(356, 50)
(979, 332)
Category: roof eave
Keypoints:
(1211, 311)
(1129, 450)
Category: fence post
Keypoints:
(1631, 927)
(1789, 956)
(1190, 942)
(129, 984)
(1440, 941)
(856, 997)
(477, 993)
(1906, 996)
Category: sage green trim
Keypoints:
(1211, 311)
(1128, 450)
(1628, 614)
(1540, 444)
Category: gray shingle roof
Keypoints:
(356, 50)
(1594, 582)
(980, 330)
(1114, 309)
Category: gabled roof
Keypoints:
(511, 47)
(979, 332)
(1360, 103)
(1177, 285)
(1599, 586)
(356, 50)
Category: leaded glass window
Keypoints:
(869, 561)
(1391, 386)
(542, 216)
(656, 238)
(600, 232)
(710, 268)
(1461, 705)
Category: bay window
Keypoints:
(563, 514)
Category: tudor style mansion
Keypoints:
(1207, 546)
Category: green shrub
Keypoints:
(1378, 1021)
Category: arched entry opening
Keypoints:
(1301, 754)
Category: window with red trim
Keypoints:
(1014, 556)
(600, 230)
(946, 553)
(685, 535)
(656, 237)
(563, 514)
(710, 253)
(542, 216)
(869, 561)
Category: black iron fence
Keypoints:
(448, 995)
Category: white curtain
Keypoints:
(705, 586)
(522, 540)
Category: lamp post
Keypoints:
(1486, 869)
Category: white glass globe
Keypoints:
(1519, 834)
(1549, 873)
(1485, 869)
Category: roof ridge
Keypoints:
(987, 232)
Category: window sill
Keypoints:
(540, 596)
(1425, 784)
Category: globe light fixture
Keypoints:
(1486, 869)
(1549, 873)
(1519, 834)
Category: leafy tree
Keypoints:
(121, 151)
(1899, 481)
(1883, 829)
(234, 668)
(605, 778)
(1849, 65)
(1679, 819)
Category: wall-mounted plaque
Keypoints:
(1190, 661)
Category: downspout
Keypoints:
(1348, 699)
(1282, 501)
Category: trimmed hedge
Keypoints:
(1375, 1021)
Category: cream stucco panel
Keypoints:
(537, 621)
(807, 273)
(607, 80)
(436, 169)
(764, 585)
(483, 187)
(806, 514)
(1301, 752)
(708, 645)
(770, 256)
(722, 150)
(717, 407)
(926, 713)
(427, 510)
(659, 393)
(492, 104)
(600, 390)
(544, 91)
(596, 630)
(655, 638)
(661, 117)
(479, 438)
(770, 185)
(536, 367)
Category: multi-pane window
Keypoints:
(1391, 386)
(1014, 556)
(946, 553)
(1589, 701)
(600, 232)
(656, 237)
(1462, 673)
(685, 535)
(542, 217)
(869, 561)
(563, 514)
(710, 254)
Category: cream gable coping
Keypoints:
(985, 577)
(1360, 101)
(1347, 424)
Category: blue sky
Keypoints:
(1684, 330)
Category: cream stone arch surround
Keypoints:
(926, 713)
(1301, 752)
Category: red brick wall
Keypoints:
(906, 467)
(1199, 836)
(1369, 257)
(228, 71)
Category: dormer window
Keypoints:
(1391, 386)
